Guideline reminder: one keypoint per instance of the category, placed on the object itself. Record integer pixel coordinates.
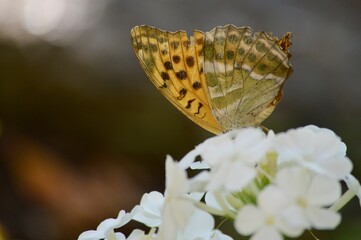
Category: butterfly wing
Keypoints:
(172, 63)
(244, 73)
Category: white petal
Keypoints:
(323, 191)
(200, 224)
(211, 200)
(112, 223)
(214, 150)
(294, 181)
(167, 230)
(196, 196)
(218, 235)
(177, 212)
(150, 212)
(199, 165)
(152, 202)
(148, 219)
(108, 225)
(91, 235)
(175, 215)
(136, 235)
(323, 218)
(176, 179)
(122, 219)
(292, 221)
(337, 167)
(249, 219)
(333, 143)
(272, 200)
(199, 182)
(252, 144)
(268, 233)
(238, 176)
(217, 177)
(188, 159)
(232, 176)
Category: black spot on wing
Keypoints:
(181, 74)
(196, 85)
(190, 61)
(168, 65)
(189, 103)
(182, 94)
(165, 76)
(176, 59)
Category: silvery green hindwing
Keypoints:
(271, 186)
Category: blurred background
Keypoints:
(84, 133)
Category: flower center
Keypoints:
(302, 202)
(270, 220)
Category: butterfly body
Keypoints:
(223, 79)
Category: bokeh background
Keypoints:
(83, 131)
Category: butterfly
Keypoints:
(223, 79)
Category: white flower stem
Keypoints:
(269, 167)
(222, 203)
(220, 200)
(346, 197)
(152, 231)
(234, 202)
(111, 235)
(208, 209)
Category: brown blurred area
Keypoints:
(84, 133)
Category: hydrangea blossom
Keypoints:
(270, 186)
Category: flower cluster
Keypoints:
(269, 185)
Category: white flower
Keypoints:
(267, 220)
(315, 148)
(311, 193)
(246, 144)
(178, 206)
(188, 160)
(232, 158)
(105, 229)
(150, 211)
